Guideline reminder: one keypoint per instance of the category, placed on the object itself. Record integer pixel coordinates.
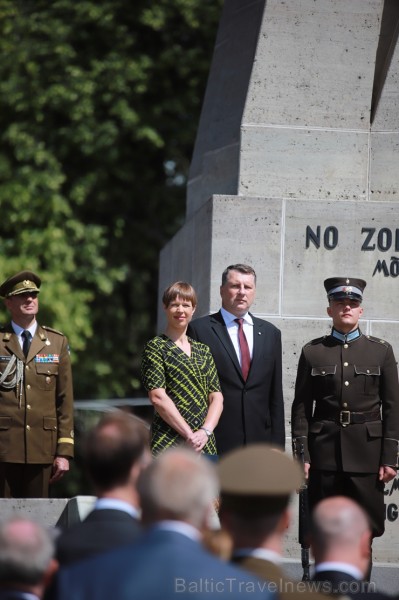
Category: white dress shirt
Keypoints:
(18, 331)
(116, 504)
(232, 328)
(179, 527)
(263, 553)
(339, 566)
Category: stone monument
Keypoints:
(296, 171)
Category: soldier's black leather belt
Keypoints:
(348, 417)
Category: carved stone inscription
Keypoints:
(371, 239)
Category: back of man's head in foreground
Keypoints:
(179, 485)
(113, 447)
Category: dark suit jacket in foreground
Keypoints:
(287, 588)
(341, 583)
(160, 565)
(12, 594)
(253, 409)
(102, 530)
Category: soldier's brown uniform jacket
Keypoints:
(286, 588)
(347, 381)
(36, 415)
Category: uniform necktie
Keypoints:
(244, 348)
(27, 337)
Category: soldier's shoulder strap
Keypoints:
(377, 340)
(316, 341)
(46, 328)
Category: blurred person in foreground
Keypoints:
(340, 535)
(168, 561)
(36, 395)
(181, 379)
(257, 483)
(115, 452)
(27, 562)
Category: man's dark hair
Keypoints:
(245, 269)
(112, 447)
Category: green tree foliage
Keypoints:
(99, 105)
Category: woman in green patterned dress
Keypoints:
(180, 377)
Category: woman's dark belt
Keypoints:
(347, 417)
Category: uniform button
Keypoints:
(28, 406)
(368, 371)
(323, 372)
(27, 367)
(28, 427)
(346, 383)
(28, 387)
(345, 364)
(346, 346)
(48, 379)
(345, 405)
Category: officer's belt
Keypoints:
(347, 417)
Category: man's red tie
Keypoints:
(244, 348)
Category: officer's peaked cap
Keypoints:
(258, 479)
(20, 283)
(339, 288)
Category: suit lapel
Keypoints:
(38, 343)
(259, 341)
(219, 327)
(10, 340)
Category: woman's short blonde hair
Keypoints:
(183, 290)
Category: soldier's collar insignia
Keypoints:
(44, 338)
(349, 337)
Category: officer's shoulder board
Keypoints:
(52, 330)
(315, 341)
(377, 340)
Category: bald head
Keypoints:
(26, 550)
(340, 531)
(179, 485)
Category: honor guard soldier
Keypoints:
(345, 415)
(36, 395)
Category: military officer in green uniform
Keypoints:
(36, 395)
(345, 415)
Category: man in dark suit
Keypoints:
(27, 562)
(345, 415)
(115, 452)
(247, 353)
(340, 535)
(177, 492)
